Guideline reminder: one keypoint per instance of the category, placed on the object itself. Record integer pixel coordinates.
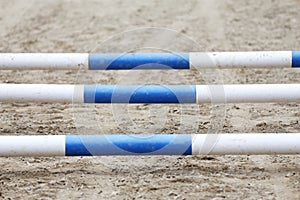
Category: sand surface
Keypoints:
(94, 26)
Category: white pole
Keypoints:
(33, 61)
(195, 144)
(53, 93)
(44, 93)
(246, 143)
(252, 93)
(255, 59)
(38, 145)
(126, 61)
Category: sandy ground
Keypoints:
(81, 26)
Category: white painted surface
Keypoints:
(32, 61)
(254, 93)
(52, 93)
(259, 59)
(245, 143)
(52, 145)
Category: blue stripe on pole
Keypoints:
(75, 147)
(140, 94)
(295, 58)
(96, 145)
(102, 61)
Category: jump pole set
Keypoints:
(160, 144)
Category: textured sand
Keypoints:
(81, 26)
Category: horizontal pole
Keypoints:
(126, 61)
(158, 144)
(37, 61)
(151, 94)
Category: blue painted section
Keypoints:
(75, 147)
(295, 58)
(102, 61)
(140, 94)
(96, 145)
